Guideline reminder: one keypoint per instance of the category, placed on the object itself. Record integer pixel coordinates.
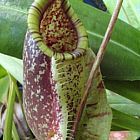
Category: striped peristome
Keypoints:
(57, 62)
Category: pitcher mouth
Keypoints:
(77, 36)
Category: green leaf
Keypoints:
(22, 4)
(128, 89)
(12, 27)
(4, 87)
(123, 104)
(10, 111)
(116, 128)
(125, 121)
(130, 12)
(14, 132)
(13, 65)
(2, 72)
(125, 111)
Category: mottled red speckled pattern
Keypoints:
(40, 97)
(57, 29)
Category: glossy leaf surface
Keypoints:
(125, 121)
(130, 12)
(123, 104)
(13, 66)
(4, 87)
(128, 89)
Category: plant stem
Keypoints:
(10, 110)
(97, 62)
(14, 132)
(21, 104)
(20, 100)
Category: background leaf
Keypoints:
(2, 72)
(4, 87)
(128, 89)
(123, 104)
(125, 121)
(13, 26)
(130, 12)
(13, 66)
(20, 4)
